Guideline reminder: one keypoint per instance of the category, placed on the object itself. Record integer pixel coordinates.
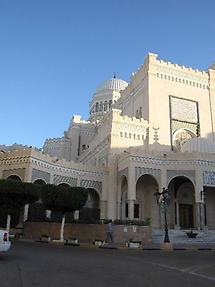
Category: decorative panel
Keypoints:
(39, 174)
(184, 110)
(184, 121)
(209, 178)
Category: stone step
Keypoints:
(180, 236)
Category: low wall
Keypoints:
(87, 232)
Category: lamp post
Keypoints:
(163, 199)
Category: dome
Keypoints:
(198, 145)
(112, 84)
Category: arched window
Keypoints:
(110, 104)
(97, 107)
(105, 105)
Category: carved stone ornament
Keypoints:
(181, 137)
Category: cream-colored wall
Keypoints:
(160, 89)
(212, 97)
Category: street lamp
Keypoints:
(163, 199)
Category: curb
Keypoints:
(121, 247)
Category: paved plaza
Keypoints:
(43, 265)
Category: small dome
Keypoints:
(198, 145)
(112, 84)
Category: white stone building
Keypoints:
(155, 131)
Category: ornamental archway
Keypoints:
(209, 207)
(36, 210)
(182, 209)
(145, 206)
(91, 211)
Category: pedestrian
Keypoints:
(109, 232)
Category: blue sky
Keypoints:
(53, 54)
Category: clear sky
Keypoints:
(53, 54)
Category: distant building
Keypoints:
(155, 131)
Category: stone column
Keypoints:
(201, 214)
(177, 224)
(119, 204)
(25, 217)
(163, 184)
(123, 207)
(103, 209)
(131, 192)
(198, 215)
(131, 209)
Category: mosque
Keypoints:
(155, 131)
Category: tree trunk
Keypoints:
(62, 228)
(8, 222)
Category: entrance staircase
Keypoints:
(180, 236)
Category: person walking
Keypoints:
(109, 232)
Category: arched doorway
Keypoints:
(124, 198)
(182, 207)
(14, 177)
(145, 205)
(91, 211)
(36, 210)
(209, 207)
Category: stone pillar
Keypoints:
(25, 217)
(201, 214)
(112, 187)
(163, 184)
(131, 209)
(177, 224)
(119, 206)
(123, 207)
(103, 209)
(131, 192)
(198, 215)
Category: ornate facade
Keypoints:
(155, 131)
